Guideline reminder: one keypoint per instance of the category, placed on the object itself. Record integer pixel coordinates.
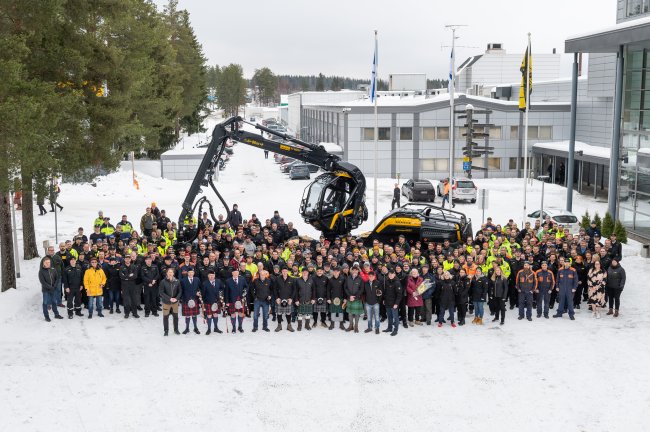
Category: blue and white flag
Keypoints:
(373, 80)
(451, 72)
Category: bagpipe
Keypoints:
(201, 304)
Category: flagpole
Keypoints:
(452, 135)
(376, 131)
(528, 56)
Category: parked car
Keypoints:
(285, 168)
(419, 190)
(282, 159)
(299, 171)
(559, 217)
(462, 189)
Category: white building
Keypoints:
(297, 100)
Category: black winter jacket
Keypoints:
(73, 277)
(615, 277)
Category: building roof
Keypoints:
(608, 39)
(583, 151)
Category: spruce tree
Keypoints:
(598, 220)
(620, 231)
(586, 220)
(608, 225)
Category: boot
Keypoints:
(350, 328)
(110, 311)
(341, 325)
(90, 315)
(166, 325)
(475, 320)
(117, 310)
(197, 331)
(616, 313)
(394, 333)
(610, 312)
(376, 331)
(299, 325)
(216, 329)
(288, 327)
(175, 317)
(99, 314)
(418, 322)
(480, 321)
(307, 325)
(322, 323)
(368, 330)
(78, 313)
(331, 327)
(69, 314)
(208, 332)
(388, 330)
(279, 327)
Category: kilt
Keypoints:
(209, 311)
(305, 309)
(191, 311)
(320, 308)
(232, 310)
(355, 307)
(336, 309)
(283, 310)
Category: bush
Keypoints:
(608, 225)
(586, 221)
(620, 231)
(599, 222)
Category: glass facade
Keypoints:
(634, 182)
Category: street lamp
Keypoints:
(543, 179)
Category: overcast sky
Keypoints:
(335, 37)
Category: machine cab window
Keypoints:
(326, 196)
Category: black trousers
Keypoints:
(151, 298)
(394, 203)
(512, 296)
(415, 312)
(131, 299)
(500, 310)
(461, 310)
(614, 298)
(323, 316)
(41, 209)
(402, 311)
(74, 301)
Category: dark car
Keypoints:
(419, 190)
(285, 168)
(299, 171)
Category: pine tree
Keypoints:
(608, 225)
(320, 82)
(231, 89)
(598, 220)
(266, 84)
(586, 220)
(620, 231)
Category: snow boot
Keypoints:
(394, 333)
(208, 332)
(288, 327)
(368, 330)
(480, 321)
(197, 331)
(376, 331)
(475, 320)
(100, 314)
(356, 325)
(341, 325)
(331, 327)
(69, 314)
(307, 325)
(350, 327)
(299, 325)
(78, 313)
(117, 310)
(616, 313)
(610, 312)
(279, 327)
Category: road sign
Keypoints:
(466, 159)
(467, 166)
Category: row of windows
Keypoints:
(636, 7)
(442, 164)
(441, 133)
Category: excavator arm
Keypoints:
(334, 203)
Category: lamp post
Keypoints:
(543, 179)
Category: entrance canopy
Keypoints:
(584, 152)
(608, 40)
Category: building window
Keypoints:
(494, 163)
(384, 133)
(367, 134)
(545, 132)
(442, 133)
(430, 165)
(405, 134)
(495, 132)
(514, 132)
(428, 133)
(636, 7)
(512, 163)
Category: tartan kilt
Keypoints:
(191, 311)
(283, 310)
(355, 307)
(305, 309)
(334, 309)
(320, 308)
(209, 311)
(232, 310)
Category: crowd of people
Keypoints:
(264, 270)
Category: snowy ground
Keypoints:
(114, 374)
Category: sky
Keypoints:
(335, 37)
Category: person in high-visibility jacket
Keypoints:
(106, 228)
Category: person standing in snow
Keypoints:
(284, 289)
(567, 283)
(72, 284)
(353, 291)
(48, 277)
(235, 295)
(190, 286)
(500, 293)
(94, 281)
(615, 285)
(146, 222)
(396, 197)
(235, 218)
(170, 294)
(596, 286)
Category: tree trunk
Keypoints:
(30, 249)
(7, 263)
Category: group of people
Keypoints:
(237, 268)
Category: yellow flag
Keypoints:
(524, 92)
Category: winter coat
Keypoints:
(501, 288)
(615, 277)
(235, 219)
(73, 278)
(47, 277)
(370, 292)
(413, 299)
(567, 279)
(545, 280)
(128, 275)
(262, 289)
(304, 290)
(353, 287)
(149, 275)
(462, 286)
(320, 286)
(170, 289)
(284, 289)
(335, 287)
(392, 292)
(526, 281)
(616, 252)
(113, 276)
(479, 289)
(447, 293)
(94, 280)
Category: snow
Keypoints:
(113, 374)
(587, 149)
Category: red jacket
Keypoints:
(412, 287)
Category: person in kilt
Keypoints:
(284, 289)
(335, 297)
(190, 286)
(320, 295)
(353, 290)
(305, 298)
(235, 294)
(212, 295)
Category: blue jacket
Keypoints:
(429, 293)
(567, 279)
(234, 290)
(211, 293)
(189, 290)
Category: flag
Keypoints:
(373, 80)
(450, 84)
(524, 91)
